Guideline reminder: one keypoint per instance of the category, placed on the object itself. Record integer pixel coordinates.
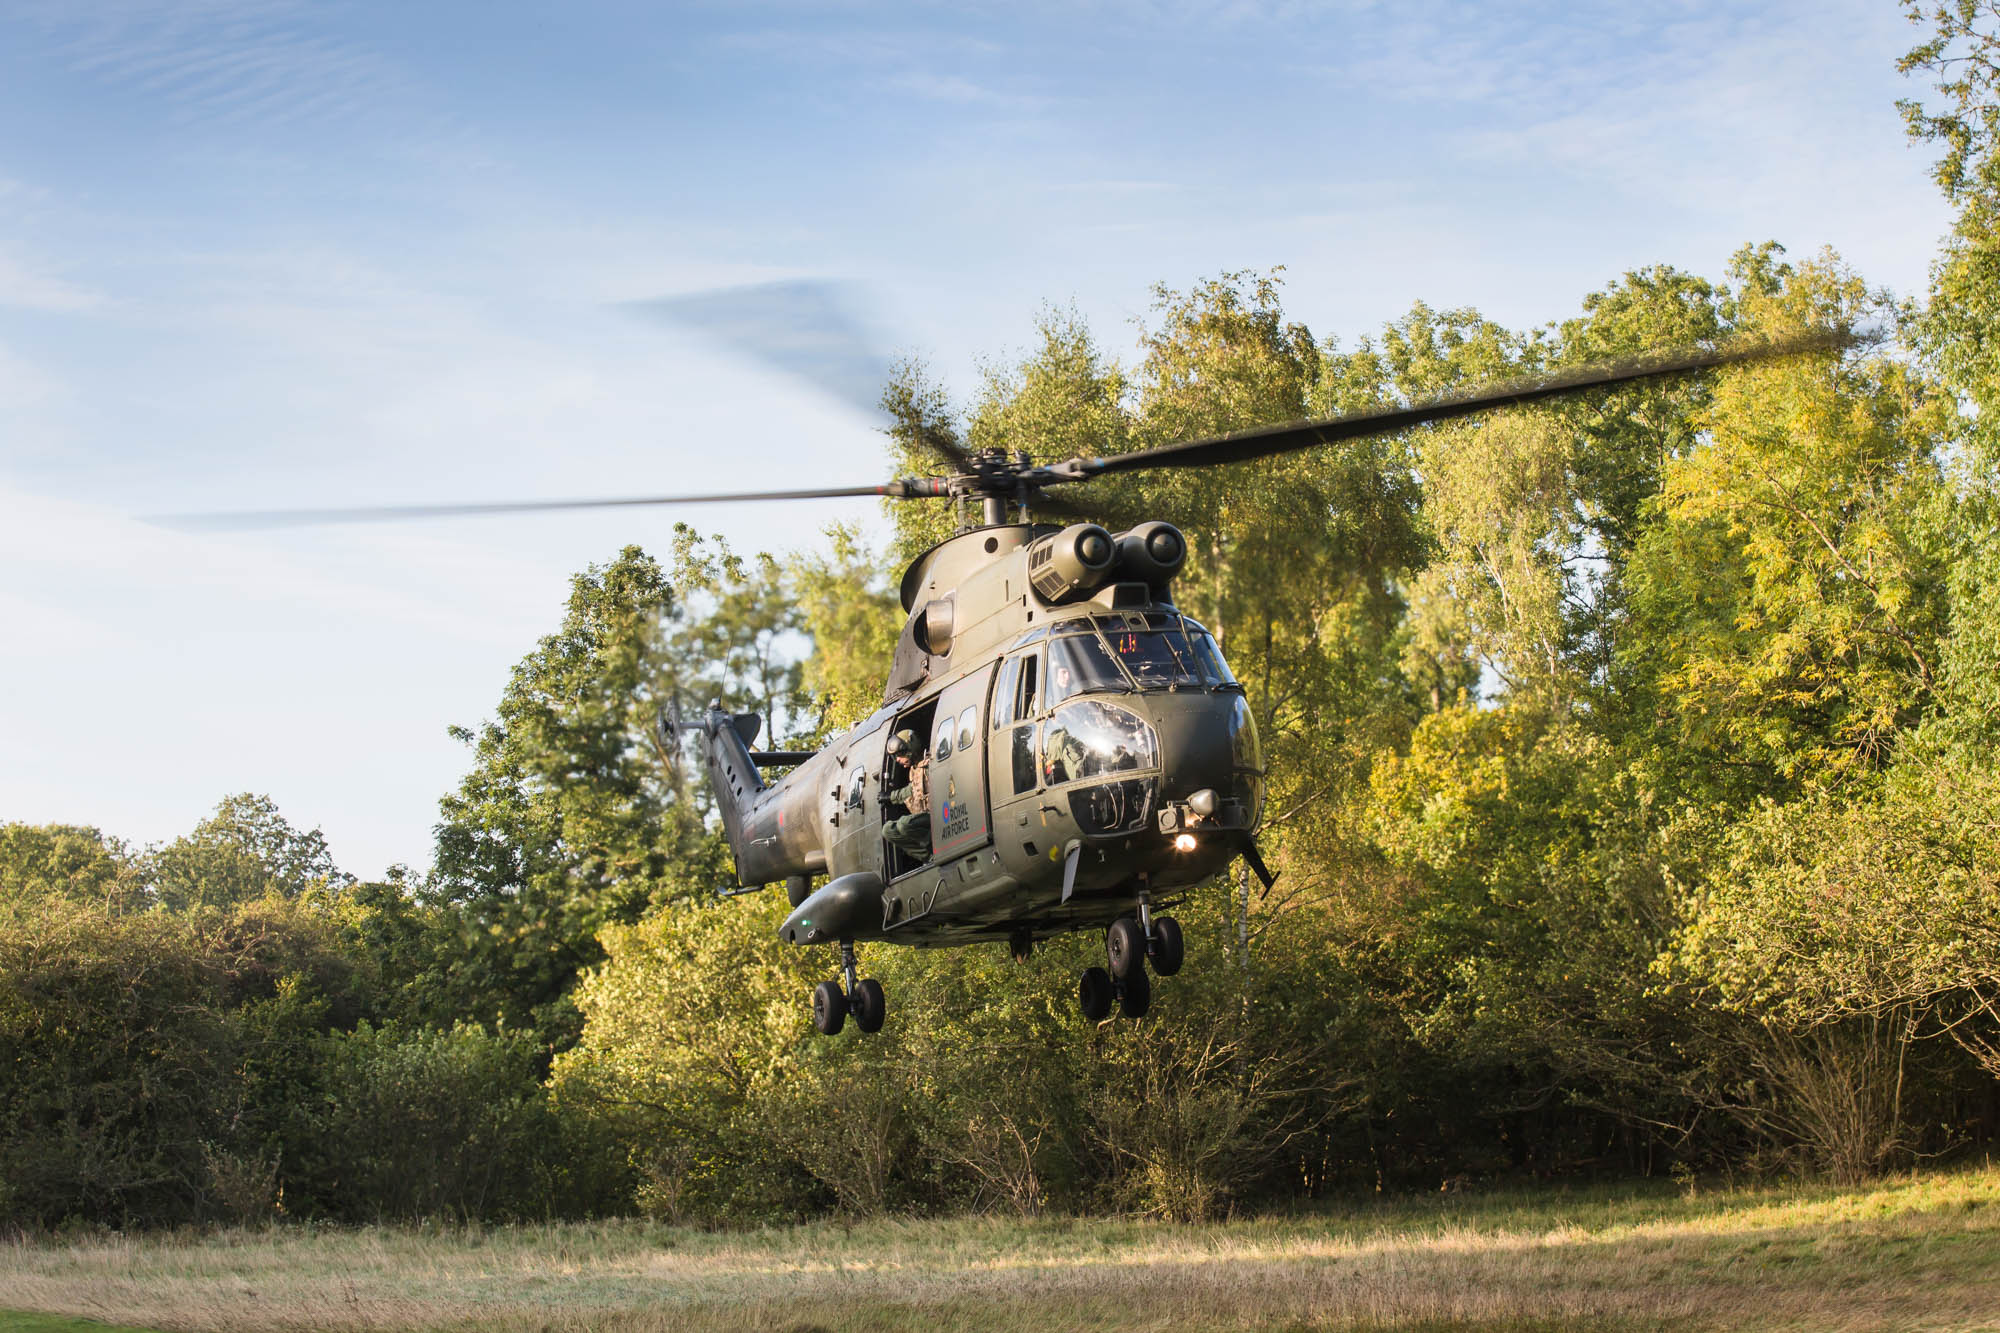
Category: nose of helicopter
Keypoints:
(1207, 741)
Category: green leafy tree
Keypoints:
(40, 862)
(850, 613)
(1792, 589)
(570, 818)
(246, 849)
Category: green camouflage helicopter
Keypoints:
(1059, 747)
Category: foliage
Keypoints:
(243, 851)
(41, 863)
(453, 1124)
(571, 818)
(851, 614)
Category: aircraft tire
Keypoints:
(829, 1007)
(1136, 996)
(869, 1005)
(1166, 950)
(1094, 994)
(1125, 946)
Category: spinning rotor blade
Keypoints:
(903, 489)
(809, 329)
(1262, 442)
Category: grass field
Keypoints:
(1916, 1253)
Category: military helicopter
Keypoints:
(1059, 746)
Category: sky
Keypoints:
(269, 253)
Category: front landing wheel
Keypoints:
(1166, 950)
(1135, 994)
(1125, 946)
(870, 1006)
(829, 1007)
(1095, 993)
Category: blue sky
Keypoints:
(259, 253)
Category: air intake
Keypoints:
(1067, 564)
(1153, 552)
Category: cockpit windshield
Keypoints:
(1145, 651)
(1153, 659)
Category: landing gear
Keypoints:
(1021, 944)
(1164, 949)
(1126, 984)
(869, 1005)
(1135, 994)
(829, 1007)
(1095, 993)
(1130, 943)
(862, 998)
(1125, 946)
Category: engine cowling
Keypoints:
(1151, 553)
(1066, 565)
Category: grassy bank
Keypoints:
(1918, 1252)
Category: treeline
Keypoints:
(1632, 789)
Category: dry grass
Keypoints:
(1917, 1253)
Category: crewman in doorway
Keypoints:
(912, 831)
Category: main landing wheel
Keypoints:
(1095, 993)
(1125, 945)
(1135, 994)
(1165, 950)
(830, 1008)
(870, 1006)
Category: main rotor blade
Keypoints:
(811, 329)
(807, 328)
(905, 488)
(1263, 442)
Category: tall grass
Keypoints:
(1921, 1251)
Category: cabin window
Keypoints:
(858, 792)
(943, 748)
(968, 722)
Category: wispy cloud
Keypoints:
(31, 287)
(952, 88)
(228, 61)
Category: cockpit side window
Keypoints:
(1025, 700)
(1078, 663)
(1003, 693)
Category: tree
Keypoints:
(849, 611)
(246, 849)
(1791, 591)
(570, 819)
(41, 862)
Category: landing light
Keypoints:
(1184, 842)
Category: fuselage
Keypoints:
(1079, 752)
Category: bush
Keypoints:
(423, 1124)
(115, 1063)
